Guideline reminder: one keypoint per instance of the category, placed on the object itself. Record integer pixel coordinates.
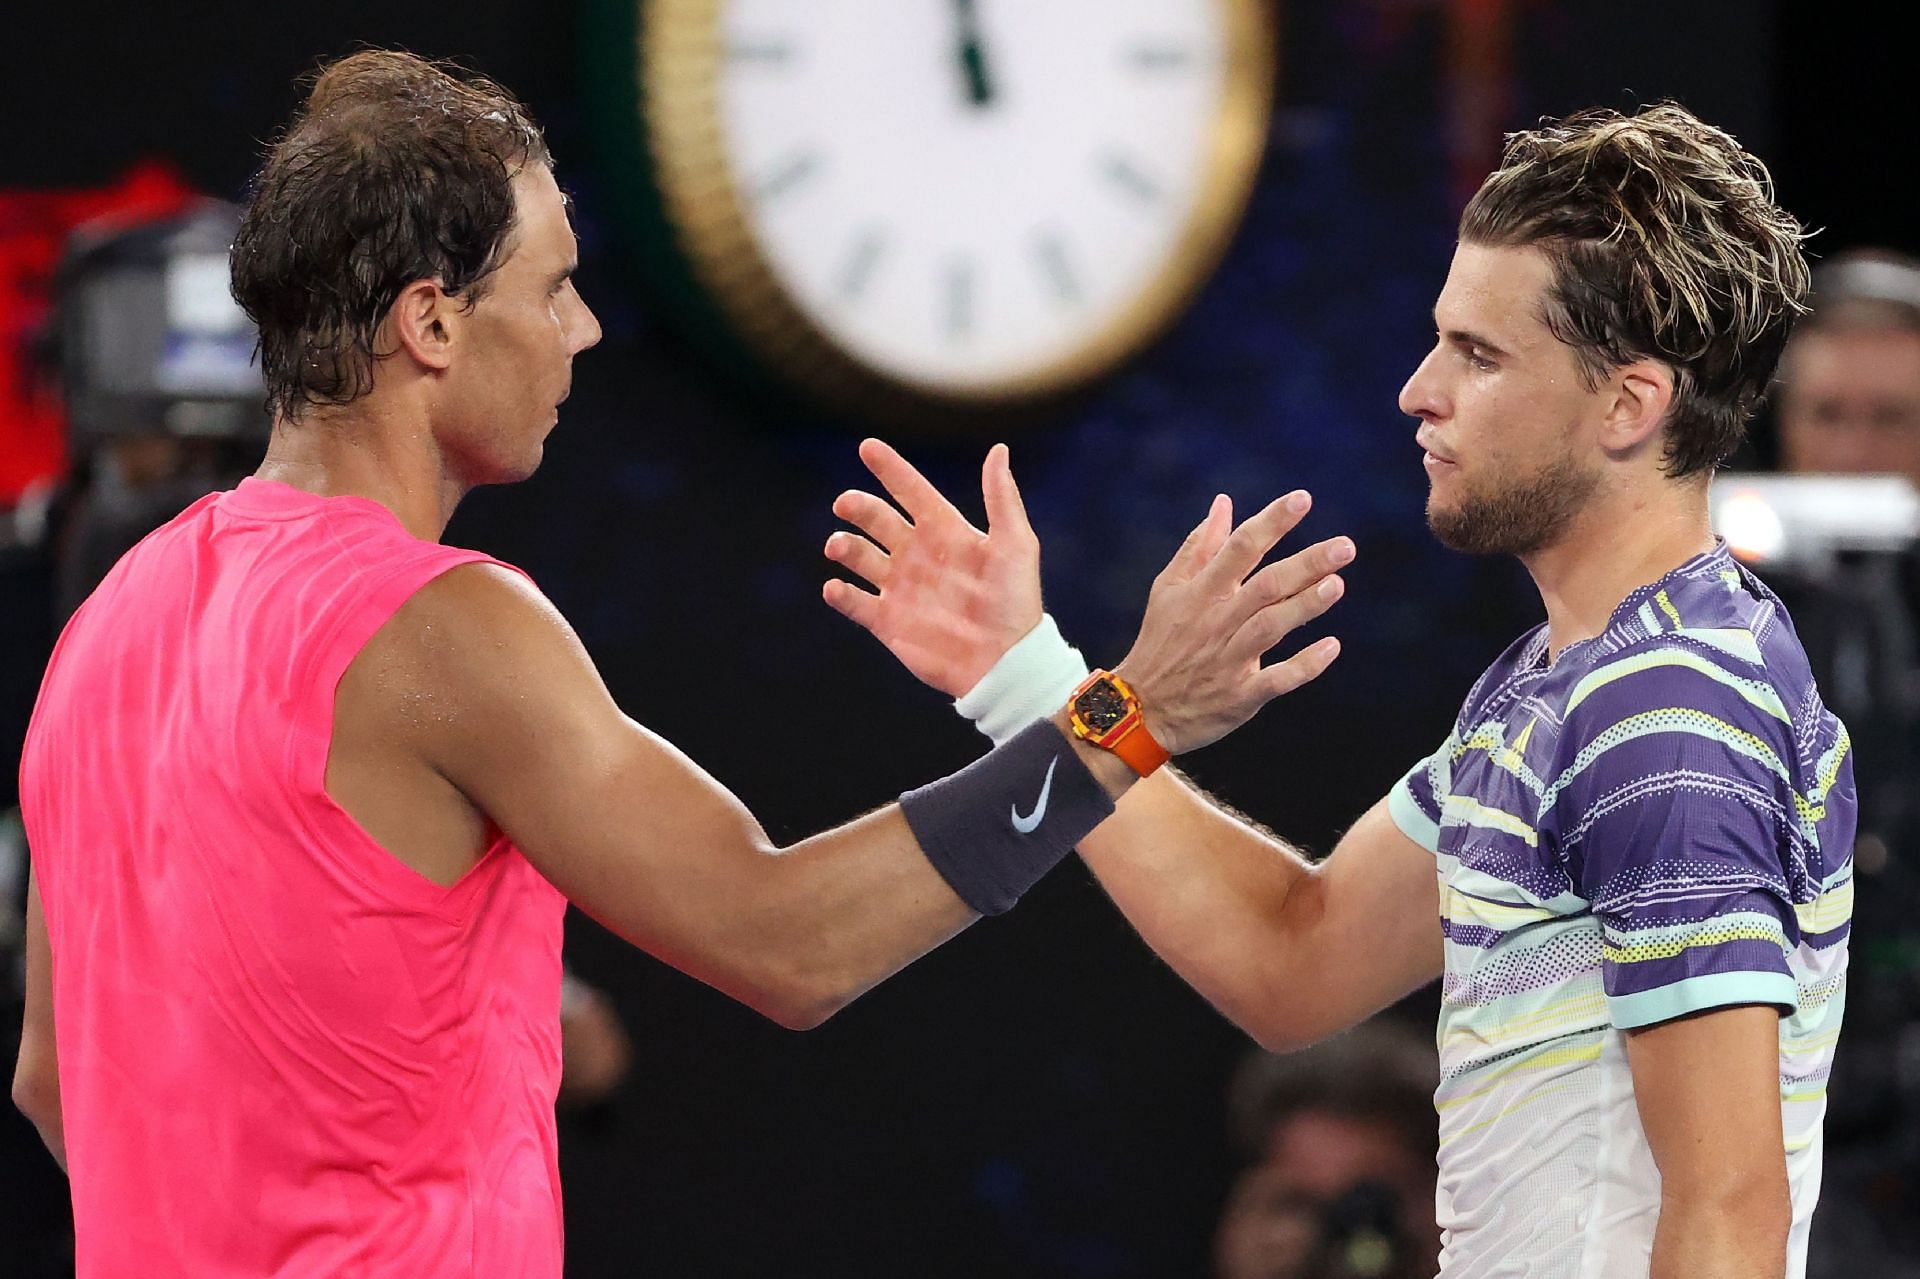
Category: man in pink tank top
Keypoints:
(307, 791)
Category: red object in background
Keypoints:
(34, 226)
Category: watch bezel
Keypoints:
(680, 54)
(1129, 718)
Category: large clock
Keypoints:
(944, 206)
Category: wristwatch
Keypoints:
(1105, 712)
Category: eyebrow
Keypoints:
(1467, 337)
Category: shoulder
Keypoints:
(1672, 720)
(478, 595)
(475, 649)
(1706, 678)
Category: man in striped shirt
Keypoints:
(1645, 826)
(1637, 837)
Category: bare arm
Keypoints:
(494, 692)
(634, 832)
(36, 1075)
(1290, 951)
(1708, 1090)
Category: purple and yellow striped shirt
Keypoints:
(1656, 822)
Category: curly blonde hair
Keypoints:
(1666, 244)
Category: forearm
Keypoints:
(871, 899)
(1249, 923)
(836, 914)
(798, 932)
(1742, 1239)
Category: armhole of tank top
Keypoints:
(357, 618)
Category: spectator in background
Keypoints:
(1850, 395)
(1339, 1144)
(1849, 403)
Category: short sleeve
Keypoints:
(1414, 802)
(1676, 815)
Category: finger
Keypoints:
(1201, 544)
(1005, 511)
(1294, 574)
(873, 516)
(858, 555)
(1216, 532)
(1250, 542)
(1303, 667)
(851, 602)
(1275, 622)
(909, 488)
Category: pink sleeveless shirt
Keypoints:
(282, 1051)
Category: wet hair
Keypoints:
(395, 169)
(1665, 244)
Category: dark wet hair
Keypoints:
(395, 169)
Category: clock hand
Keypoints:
(973, 58)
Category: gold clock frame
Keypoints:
(679, 58)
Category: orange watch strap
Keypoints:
(1139, 749)
(1129, 739)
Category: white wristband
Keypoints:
(1031, 681)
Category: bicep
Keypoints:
(1377, 896)
(624, 824)
(648, 843)
(1707, 1087)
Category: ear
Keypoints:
(422, 320)
(1642, 394)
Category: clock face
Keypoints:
(973, 198)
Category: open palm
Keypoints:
(951, 599)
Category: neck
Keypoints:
(1621, 540)
(367, 449)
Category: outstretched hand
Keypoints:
(1211, 618)
(951, 599)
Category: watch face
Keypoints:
(1101, 706)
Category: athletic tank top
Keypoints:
(282, 1051)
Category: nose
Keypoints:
(585, 328)
(1421, 396)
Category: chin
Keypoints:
(508, 471)
(526, 469)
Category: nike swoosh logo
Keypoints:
(1028, 824)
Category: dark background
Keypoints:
(1041, 1096)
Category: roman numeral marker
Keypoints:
(766, 53)
(1052, 256)
(787, 176)
(1124, 174)
(960, 289)
(859, 264)
(1158, 57)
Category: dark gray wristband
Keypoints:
(996, 826)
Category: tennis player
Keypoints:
(307, 791)
(1630, 861)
